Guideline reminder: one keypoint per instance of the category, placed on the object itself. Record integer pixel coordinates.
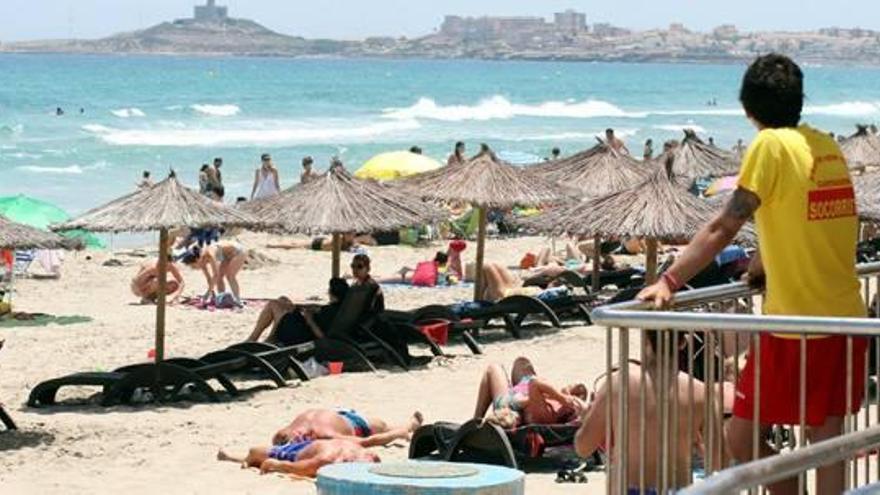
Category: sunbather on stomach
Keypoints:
(345, 424)
(525, 399)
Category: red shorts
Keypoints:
(780, 380)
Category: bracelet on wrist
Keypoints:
(672, 281)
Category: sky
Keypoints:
(356, 19)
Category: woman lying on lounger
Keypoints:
(526, 399)
(292, 324)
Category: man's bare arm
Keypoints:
(716, 235)
(708, 242)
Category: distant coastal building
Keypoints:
(209, 12)
(511, 27)
(725, 31)
(570, 21)
(605, 30)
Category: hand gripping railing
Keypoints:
(715, 321)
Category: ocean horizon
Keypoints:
(161, 113)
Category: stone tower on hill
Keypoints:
(209, 12)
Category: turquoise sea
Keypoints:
(158, 113)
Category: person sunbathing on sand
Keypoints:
(145, 284)
(305, 453)
(346, 424)
(524, 398)
(302, 459)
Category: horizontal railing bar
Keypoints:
(637, 314)
(784, 466)
(670, 320)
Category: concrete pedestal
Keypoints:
(424, 478)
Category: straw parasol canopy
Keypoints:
(14, 235)
(657, 209)
(594, 172)
(695, 159)
(337, 203)
(163, 206)
(484, 181)
(862, 149)
(867, 188)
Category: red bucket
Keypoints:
(438, 331)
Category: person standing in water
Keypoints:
(615, 142)
(308, 173)
(648, 153)
(457, 157)
(265, 179)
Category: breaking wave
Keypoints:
(244, 137)
(499, 107)
(70, 170)
(681, 127)
(125, 113)
(227, 110)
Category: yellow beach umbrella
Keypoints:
(396, 164)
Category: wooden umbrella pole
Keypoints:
(651, 262)
(160, 301)
(481, 245)
(597, 262)
(159, 346)
(337, 253)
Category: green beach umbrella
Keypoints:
(40, 214)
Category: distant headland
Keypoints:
(567, 37)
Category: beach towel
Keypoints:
(425, 274)
(20, 319)
(197, 303)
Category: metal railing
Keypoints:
(695, 360)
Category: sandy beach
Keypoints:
(171, 448)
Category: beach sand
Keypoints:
(171, 449)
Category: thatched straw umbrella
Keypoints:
(656, 210)
(862, 149)
(695, 159)
(165, 206)
(594, 172)
(337, 204)
(484, 181)
(14, 235)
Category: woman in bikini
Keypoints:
(523, 398)
(220, 263)
(146, 283)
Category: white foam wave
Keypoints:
(243, 137)
(70, 170)
(845, 109)
(97, 128)
(681, 127)
(125, 113)
(499, 107)
(227, 110)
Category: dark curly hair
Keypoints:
(772, 91)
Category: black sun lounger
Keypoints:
(485, 443)
(361, 340)
(167, 380)
(512, 310)
(4, 417)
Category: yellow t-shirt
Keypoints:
(807, 222)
